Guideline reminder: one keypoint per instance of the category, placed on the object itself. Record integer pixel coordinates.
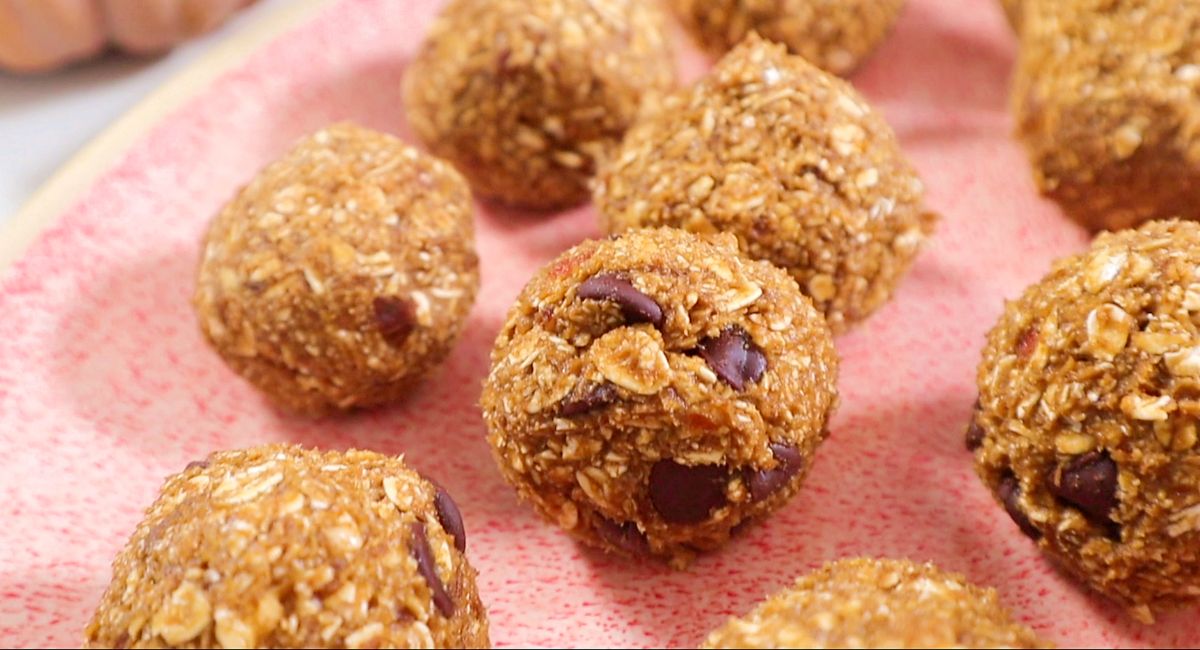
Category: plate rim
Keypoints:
(68, 183)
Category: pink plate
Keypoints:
(106, 386)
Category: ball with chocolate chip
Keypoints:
(866, 603)
(283, 547)
(653, 391)
(1089, 394)
(791, 160)
(523, 95)
(343, 272)
(834, 35)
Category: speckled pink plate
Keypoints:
(106, 386)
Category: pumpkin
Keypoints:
(40, 35)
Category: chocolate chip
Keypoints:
(636, 306)
(450, 518)
(197, 463)
(624, 536)
(426, 565)
(1027, 341)
(974, 435)
(734, 357)
(684, 494)
(592, 398)
(395, 317)
(765, 482)
(1089, 483)
(1010, 494)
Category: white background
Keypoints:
(45, 119)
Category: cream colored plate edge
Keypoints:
(67, 184)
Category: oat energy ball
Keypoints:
(834, 35)
(1089, 393)
(1107, 100)
(789, 159)
(651, 392)
(523, 95)
(342, 273)
(283, 547)
(863, 603)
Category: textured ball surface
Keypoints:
(282, 547)
(342, 273)
(1089, 393)
(834, 35)
(651, 392)
(523, 95)
(1105, 97)
(789, 159)
(864, 603)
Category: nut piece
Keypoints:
(183, 616)
(231, 631)
(1103, 269)
(1108, 331)
(1146, 407)
(632, 359)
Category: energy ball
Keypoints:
(1089, 393)
(1105, 97)
(652, 392)
(342, 273)
(283, 547)
(523, 95)
(834, 35)
(864, 603)
(789, 159)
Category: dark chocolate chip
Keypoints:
(684, 494)
(450, 518)
(734, 357)
(624, 536)
(1089, 483)
(1027, 341)
(197, 463)
(974, 435)
(426, 565)
(765, 482)
(395, 317)
(1009, 492)
(592, 398)
(636, 306)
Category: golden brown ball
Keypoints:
(652, 392)
(342, 273)
(523, 95)
(789, 159)
(1086, 434)
(834, 35)
(865, 603)
(283, 547)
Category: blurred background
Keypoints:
(50, 112)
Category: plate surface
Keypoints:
(106, 386)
